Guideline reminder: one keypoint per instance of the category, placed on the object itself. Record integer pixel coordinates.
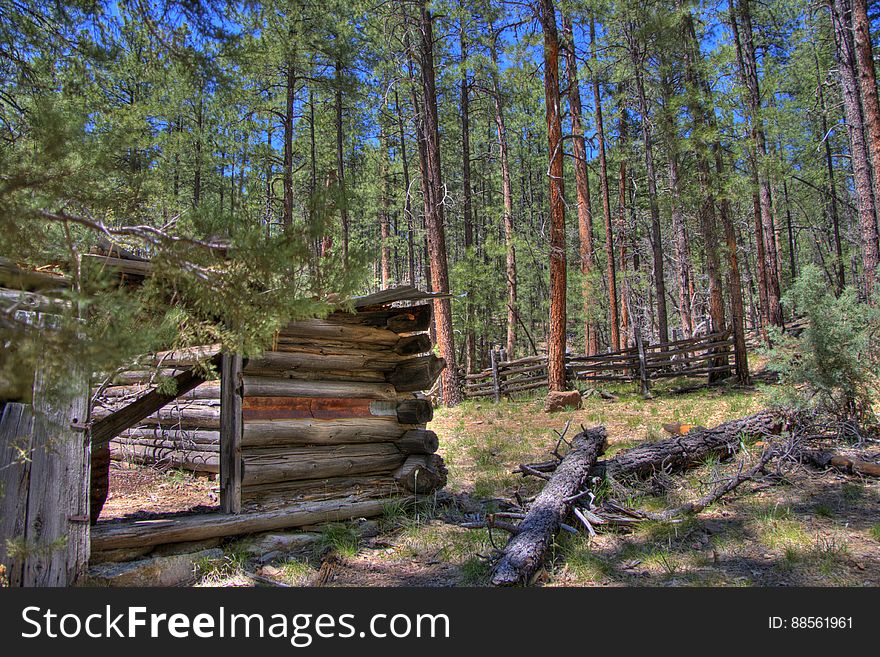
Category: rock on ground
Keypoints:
(560, 401)
(171, 570)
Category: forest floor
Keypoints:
(816, 528)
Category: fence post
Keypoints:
(496, 387)
(643, 370)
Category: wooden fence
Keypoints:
(700, 356)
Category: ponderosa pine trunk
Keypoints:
(507, 204)
(741, 25)
(340, 162)
(702, 94)
(557, 334)
(679, 230)
(385, 211)
(582, 181)
(656, 234)
(287, 165)
(868, 83)
(614, 320)
(470, 346)
(434, 209)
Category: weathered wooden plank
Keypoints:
(328, 330)
(57, 532)
(16, 429)
(231, 429)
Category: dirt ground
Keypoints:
(814, 528)
(137, 490)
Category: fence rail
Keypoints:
(699, 356)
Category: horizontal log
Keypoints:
(279, 361)
(110, 535)
(188, 460)
(274, 387)
(418, 373)
(326, 408)
(352, 376)
(207, 390)
(415, 411)
(290, 492)
(271, 433)
(260, 466)
(399, 320)
(188, 436)
(129, 416)
(190, 416)
(411, 345)
(421, 473)
(121, 442)
(418, 441)
(330, 330)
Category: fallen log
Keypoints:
(828, 459)
(526, 550)
(110, 535)
(683, 452)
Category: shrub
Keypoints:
(832, 366)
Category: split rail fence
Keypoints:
(706, 355)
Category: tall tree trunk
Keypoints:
(557, 335)
(507, 203)
(741, 25)
(287, 164)
(656, 234)
(623, 235)
(385, 211)
(582, 180)
(467, 201)
(197, 175)
(702, 100)
(407, 197)
(340, 162)
(840, 280)
(434, 219)
(614, 321)
(870, 103)
(679, 232)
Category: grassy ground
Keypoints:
(814, 529)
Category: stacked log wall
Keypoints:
(332, 412)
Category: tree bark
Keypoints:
(556, 340)
(870, 103)
(606, 198)
(582, 180)
(656, 234)
(741, 25)
(507, 201)
(526, 550)
(434, 209)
